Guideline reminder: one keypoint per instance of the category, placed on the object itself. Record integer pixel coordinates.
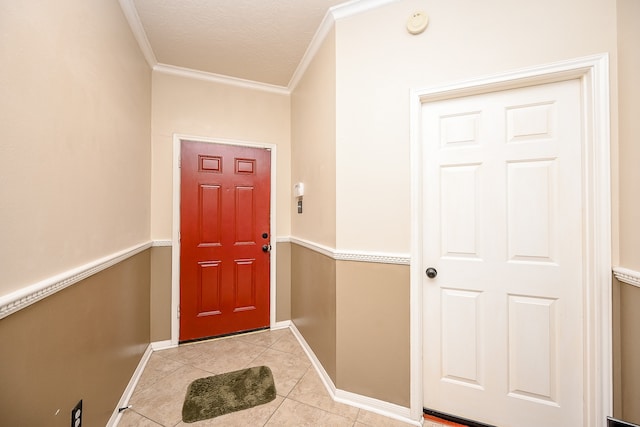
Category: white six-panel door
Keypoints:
(503, 227)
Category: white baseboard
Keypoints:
(390, 410)
(324, 376)
(124, 400)
(162, 345)
(370, 404)
(281, 325)
(359, 401)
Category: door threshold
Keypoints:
(613, 422)
(457, 421)
(248, 331)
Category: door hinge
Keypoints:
(178, 312)
(179, 237)
(179, 162)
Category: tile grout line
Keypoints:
(284, 397)
(274, 412)
(280, 347)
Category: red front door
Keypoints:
(225, 235)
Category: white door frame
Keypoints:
(175, 236)
(593, 74)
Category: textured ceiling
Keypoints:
(257, 40)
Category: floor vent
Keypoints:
(612, 422)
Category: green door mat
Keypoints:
(221, 394)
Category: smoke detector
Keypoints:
(417, 22)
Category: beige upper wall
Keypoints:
(629, 110)
(212, 110)
(313, 135)
(75, 155)
(379, 62)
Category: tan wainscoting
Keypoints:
(313, 303)
(160, 293)
(373, 347)
(355, 317)
(83, 342)
(283, 281)
(627, 351)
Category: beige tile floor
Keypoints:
(301, 400)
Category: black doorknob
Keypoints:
(431, 272)
(266, 248)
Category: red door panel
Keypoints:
(224, 213)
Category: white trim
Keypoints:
(415, 271)
(316, 247)
(128, 391)
(131, 13)
(283, 239)
(356, 7)
(386, 409)
(175, 247)
(316, 42)
(322, 373)
(284, 324)
(350, 255)
(26, 296)
(374, 257)
(161, 243)
(628, 276)
(334, 13)
(219, 78)
(383, 408)
(592, 71)
(162, 345)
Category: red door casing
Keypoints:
(225, 235)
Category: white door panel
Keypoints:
(503, 223)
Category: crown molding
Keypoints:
(316, 42)
(353, 7)
(24, 297)
(219, 78)
(356, 7)
(334, 14)
(626, 275)
(130, 12)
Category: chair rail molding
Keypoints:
(350, 254)
(24, 297)
(628, 276)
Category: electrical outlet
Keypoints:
(76, 415)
